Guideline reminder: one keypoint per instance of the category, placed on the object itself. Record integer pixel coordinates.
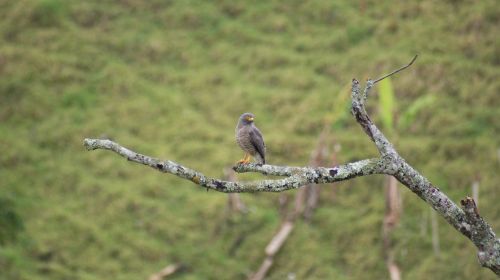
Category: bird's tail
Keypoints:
(260, 159)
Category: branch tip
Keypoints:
(397, 70)
(88, 144)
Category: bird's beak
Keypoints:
(250, 119)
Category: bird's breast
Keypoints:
(244, 141)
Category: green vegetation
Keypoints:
(170, 78)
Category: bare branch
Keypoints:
(466, 221)
(397, 70)
(483, 236)
(166, 271)
(472, 226)
(272, 248)
(295, 176)
(358, 110)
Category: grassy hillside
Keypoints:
(170, 78)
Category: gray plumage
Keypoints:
(249, 138)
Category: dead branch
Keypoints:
(165, 272)
(272, 248)
(467, 220)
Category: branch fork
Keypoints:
(466, 220)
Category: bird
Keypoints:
(250, 139)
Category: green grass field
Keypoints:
(170, 78)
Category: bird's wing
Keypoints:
(258, 143)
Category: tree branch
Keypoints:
(466, 221)
(483, 236)
(295, 176)
(472, 226)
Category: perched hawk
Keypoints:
(250, 139)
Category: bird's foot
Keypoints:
(243, 161)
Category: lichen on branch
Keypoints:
(295, 176)
(466, 220)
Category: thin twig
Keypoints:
(397, 70)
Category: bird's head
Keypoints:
(247, 118)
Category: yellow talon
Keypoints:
(246, 159)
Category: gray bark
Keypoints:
(466, 220)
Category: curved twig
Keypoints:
(397, 70)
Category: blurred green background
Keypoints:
(170, 78)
